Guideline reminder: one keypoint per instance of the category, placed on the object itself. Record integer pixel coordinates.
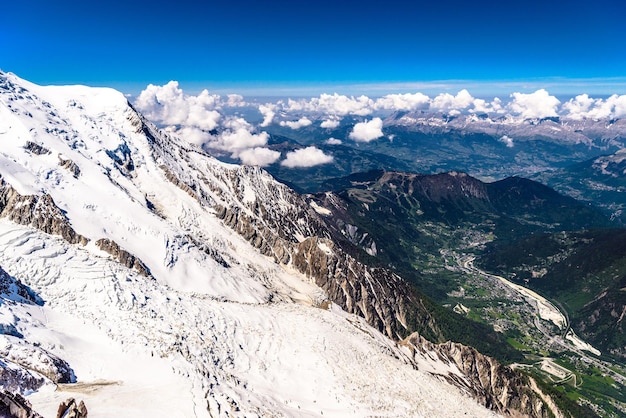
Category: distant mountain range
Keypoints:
(600, 181)
(369, 207)
(486, 147)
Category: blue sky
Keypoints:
(295, 47)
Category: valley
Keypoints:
(555, 352)
(445, 224)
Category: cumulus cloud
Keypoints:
(578, 107)
(268, 111)
(237, 136)
(406, 101)
(259, 156)
(584, 107)
(306, 157)
(618, 105)
(238, 140)
(445, 102)
(333, 104)
(367, 131)
(537, 105)
(300, 123)
(483, 106)
(334, 141)
(168, 105)
(191, 134)
(235, 122)
(330, 123)
(506, 140)
(235, 100)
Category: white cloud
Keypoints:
(584, 107)
(259, 156)
(237, 136)
(618, 105)
(234, 123)
(578, 107)
(192, 135)
(300, 123)
(482, 106)
(268, 111)
(446, 102)
(367, 131)
(235, 100)
(406, 101)
(238, 140)
(333, 104)
(306, 157)
(535, 105)
(167, 105)
(330, 123)
(506, 140)
(334, 141)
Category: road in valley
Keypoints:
(546, 310)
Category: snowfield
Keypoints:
(215, 328)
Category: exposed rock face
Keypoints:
(122, 256)
(14, 289)
(70, 409)
(69, 165)
(384, 299)
(122, 158)
(36, 148)
(37, 211)
(36, 359)
(172, 177)
(18, 379)
(496, 386)
(13, 405)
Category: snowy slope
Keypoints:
(215, 328)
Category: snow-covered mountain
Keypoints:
(149, 279)
(597, 133)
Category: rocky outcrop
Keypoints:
(37, 211)
(14, 405)
(384, 299)
(70, 166)
(36, 148)
(36, 359)
(494, 385)
(122, 256)
(70, 409)
(172, 178)
(18, 379)
(14, 289)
